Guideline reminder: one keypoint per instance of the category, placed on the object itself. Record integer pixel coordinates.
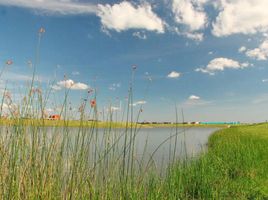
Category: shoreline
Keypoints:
(99, 124)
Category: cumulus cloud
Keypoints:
(118, 17)
(70, 84)
(190, 13)
(260, 53)
(125, 15)
(220, 64)
(241, 16)
(194, 97)
(173, 74)
(62, 7)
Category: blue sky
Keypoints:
(207, 57)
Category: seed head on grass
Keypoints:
(42, 31)
(9, 62)
(7, 94)
(134, 67)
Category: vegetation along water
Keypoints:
(37, 165)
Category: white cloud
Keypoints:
(190, 13)
(70, 84)
(119, 17)
(260, 53)
(220, 64)
(62, 7)
(242, 49)
(210, 53)
(241, 16)
(195, 100)
(56, 87)
(194, 97)
(125, 15)
(140, 35)
(195, 36)
(139, 103)
(264, 80)
(173, 74)
(188, 34)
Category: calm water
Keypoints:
(157, 144)
(190, 142)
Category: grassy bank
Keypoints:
(235, 167)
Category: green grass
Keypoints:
(235, 167)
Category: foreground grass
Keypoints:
(32, 166)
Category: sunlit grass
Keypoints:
(235, 167)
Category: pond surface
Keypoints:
(190, 142)
(159, 144)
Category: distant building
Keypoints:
(54, 117)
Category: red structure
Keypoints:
(54, 117)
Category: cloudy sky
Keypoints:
(208, 57)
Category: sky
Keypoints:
(205, 57)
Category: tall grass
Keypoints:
(39, 162)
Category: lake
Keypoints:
(157, 145)
(150, 143)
